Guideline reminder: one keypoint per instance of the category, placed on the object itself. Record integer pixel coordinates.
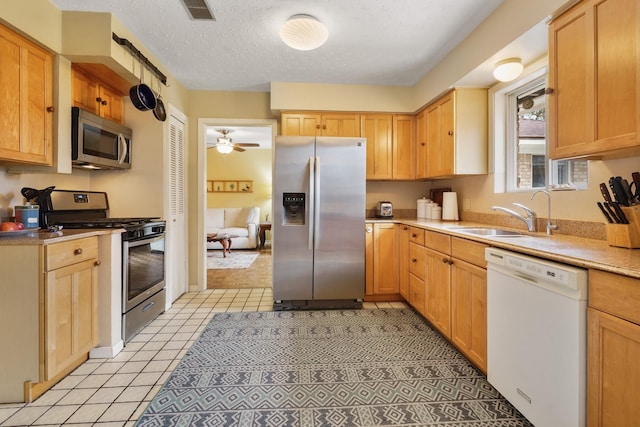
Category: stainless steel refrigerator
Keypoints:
(318, 243)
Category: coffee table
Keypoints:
(223, 239)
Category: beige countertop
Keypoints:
(44, 237)
(581, 252)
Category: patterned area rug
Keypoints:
(235, 259)
(326, 368)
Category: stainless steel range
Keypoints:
(143, 261)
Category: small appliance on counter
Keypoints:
(384, 210)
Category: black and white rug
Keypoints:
(326, 368)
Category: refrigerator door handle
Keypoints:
(316, 210)
(312, 185)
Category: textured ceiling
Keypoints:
(373, 42)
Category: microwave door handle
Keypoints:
(122, 141)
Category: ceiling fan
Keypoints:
(224, 144)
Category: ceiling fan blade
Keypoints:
(248, 144)
(235, 147)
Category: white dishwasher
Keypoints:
(536, 336)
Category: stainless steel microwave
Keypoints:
(98, 143)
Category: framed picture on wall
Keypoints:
(231, 186)
(217, 186)
(209, 186)
(245, 186)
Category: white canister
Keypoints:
(28, 215)
(436, 212)
(422, 207)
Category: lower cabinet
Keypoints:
(382, 280)
(49, 310)
(448, 286)
(613, 350)
(70, 315)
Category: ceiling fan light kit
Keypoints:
(508, 69)
(225, 145)
(304, 32)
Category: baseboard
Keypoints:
(106, 352)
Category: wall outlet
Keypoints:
(467, 204)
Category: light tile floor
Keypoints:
(115, 392)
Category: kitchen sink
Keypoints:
(488, 232)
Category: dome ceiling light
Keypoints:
(304, 32)
(508, 69)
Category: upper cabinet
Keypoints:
(390, 146)
(593, 63)
(320, 124)
(26, 101)
(452, 135)
(92, 94)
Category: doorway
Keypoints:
(261, 189)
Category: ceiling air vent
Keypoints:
(198, 9)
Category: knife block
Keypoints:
(626, 235)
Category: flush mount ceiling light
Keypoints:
(303, 32)
(508, 70)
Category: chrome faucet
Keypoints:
(549, 225)
(530, 219)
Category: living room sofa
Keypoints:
(241, 222)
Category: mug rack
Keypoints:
(626, 235)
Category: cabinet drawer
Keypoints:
(438, 241)
(67, 253)
(470, 251)
(615, 294)
(417, 260)
(416, 235)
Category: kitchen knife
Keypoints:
(613, 215)
(605, 213)
(618, 192)
(620, 213)
(635, 185)
(627, 191)
(605, 192)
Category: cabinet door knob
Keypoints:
(414, 260)
(97, 263)
(78, 251)
(98, 99)
(51, 109)
(414, 235)
(450, 133)
(317, 126)
(104, 103)
(444, 260)
(405, 228)
(548, 91)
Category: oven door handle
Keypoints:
(144, 240)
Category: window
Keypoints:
(526, 143)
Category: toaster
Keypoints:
(384, 210)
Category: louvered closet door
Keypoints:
(176, 222)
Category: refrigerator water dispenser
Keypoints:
(294, 208)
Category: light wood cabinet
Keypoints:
(71, 289)
(382, 276)
(469, 300)
(593, 63)
(417, 268)
(390, 146)
(438, 289)
(421, 145)
(51, 292)
(613, 350)
(96, 97)
(320, 124)
(378, 129)
(26, 101)
(403, 233)
(455, 128)
(404, 147)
